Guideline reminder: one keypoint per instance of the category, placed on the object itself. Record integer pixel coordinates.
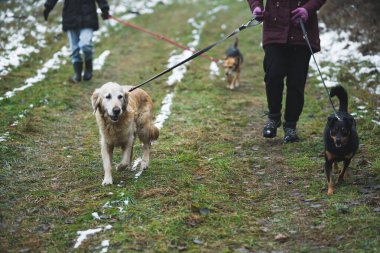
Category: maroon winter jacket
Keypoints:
(277, 25)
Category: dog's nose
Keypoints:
(116, 111)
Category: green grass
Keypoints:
(214, 184)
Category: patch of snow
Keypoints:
(105, 244)
(214, 70)
(4, 137)
(179, 72)
(165, 110)
(53, 63)
(99, 62)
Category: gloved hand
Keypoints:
(105, 14)
(258, 14)
(46, 13)
(299, 13)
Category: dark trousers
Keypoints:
(291, 62)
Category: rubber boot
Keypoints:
(88, 71)
(78, 66)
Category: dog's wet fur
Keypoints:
(341, 140)
(232, 64)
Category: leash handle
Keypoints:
(250, 23)
(319, 71)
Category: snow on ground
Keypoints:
(83, 235)
(337, 49)
(99, 62)
(165, 110)
(22, 35)
(55, 62)
(179, 72)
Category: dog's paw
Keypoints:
(121, 166)
(107, 181)
(144, 165)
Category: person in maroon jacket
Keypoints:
(286, 56)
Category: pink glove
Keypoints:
(299, 13)
(258, 14)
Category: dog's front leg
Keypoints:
(328, 171)
(107, 151)
(233, 81)
(146, 154)
(237, 79)
(127, 155)
(344, 173)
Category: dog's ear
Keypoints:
(95, 100)
(331, 120)
(126, 99)
(349, 122)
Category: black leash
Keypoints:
(250, 23)
(320, 74)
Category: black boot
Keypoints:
(78, 66)
(290, 134)
(270, 128)
(88, 71)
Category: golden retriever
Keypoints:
(121, 115)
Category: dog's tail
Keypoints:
(341, 93)
(236, 42)
(154, 132)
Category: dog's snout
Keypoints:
(116, 111)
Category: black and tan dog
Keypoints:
(340, 138)
(232, 64)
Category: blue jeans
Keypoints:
(80, 40)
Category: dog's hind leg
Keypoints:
(146, 155)
(107, 151)
(328, 171)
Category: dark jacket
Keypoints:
(79, 14)
(277, 25)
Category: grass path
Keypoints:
(214, 184)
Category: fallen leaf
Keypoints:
(255, 148)
(281, 237)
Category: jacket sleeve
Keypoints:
(103, 5)
(49, 4)
(313, 6)
(255, 3)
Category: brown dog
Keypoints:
(121, 115)
(232, 64)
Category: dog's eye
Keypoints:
(108, 96)
(120, 97)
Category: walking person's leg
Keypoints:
(295, 89)
(275, 62)
(76, 59)
(86, 45)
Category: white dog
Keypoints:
(120, 116)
